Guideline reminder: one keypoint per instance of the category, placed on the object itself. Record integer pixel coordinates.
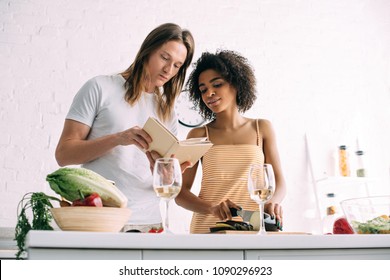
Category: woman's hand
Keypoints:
(276, 211)
(222, 211)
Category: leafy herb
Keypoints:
(378, 225)
(40, 205)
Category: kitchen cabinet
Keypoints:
(315, 254)
(60, 245)
(53, 253)
(8, 248)
(175, 254)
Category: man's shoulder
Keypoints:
(115, 78)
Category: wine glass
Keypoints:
(167, 181)
(261, 187)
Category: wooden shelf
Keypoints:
(344, 185)
(344, 180)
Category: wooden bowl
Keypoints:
(84, 218)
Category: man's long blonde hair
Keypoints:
(136, 74)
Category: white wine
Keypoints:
(262, 195)
(168, 192)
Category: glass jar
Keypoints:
(331, 204)
(344, 161)
(360, 170)
(331, 214)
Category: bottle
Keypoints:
(343, 161)
(331, 208)
(331, 214)
(360, 170)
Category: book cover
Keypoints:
(166, 143)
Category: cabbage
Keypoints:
(76, 183)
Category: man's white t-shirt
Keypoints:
(100, 104)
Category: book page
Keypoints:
(166, 144)
(163, 139)
(191, 152)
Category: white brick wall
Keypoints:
(321, 66)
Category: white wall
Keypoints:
(322, 67)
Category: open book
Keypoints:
(166, 144)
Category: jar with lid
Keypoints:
(344, 161)
(360, 170)
(331, 214)
(331, 204)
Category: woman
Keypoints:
(222, 85)
(102, 130)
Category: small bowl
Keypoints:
(85, 218)
(368, 215)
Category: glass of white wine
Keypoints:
(167, 182)
(261, 187)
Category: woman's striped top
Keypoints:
(225, 174)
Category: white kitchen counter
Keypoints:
(91, 245)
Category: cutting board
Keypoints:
(255, 232)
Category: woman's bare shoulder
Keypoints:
(266, 128)
(264, 122)
(197, 132)
(265, 125)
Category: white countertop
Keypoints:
(105, 240)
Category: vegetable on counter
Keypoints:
(40, 205)
(79, 186)
(156, 230)
(378, 225)
(341, 226)
(231, 225)
(70, 182)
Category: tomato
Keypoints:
(156, 230)
(341, 226)
(92, 200)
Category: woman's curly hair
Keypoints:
(234, 68)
